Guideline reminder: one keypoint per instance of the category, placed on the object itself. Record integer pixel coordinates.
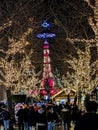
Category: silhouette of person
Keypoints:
(89, 120)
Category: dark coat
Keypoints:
(6, 115)
(32, 118)
(20, 115)
(66, 115)
(88, 121)
(41, 116)
(51, 117)
(25, 114)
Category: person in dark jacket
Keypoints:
(20, 115)
(6, 118)
(66, 118)
(41, 123)
(51, 117)
(89, 120)
(31, 118)
(25, 116)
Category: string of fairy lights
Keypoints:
(18, 46)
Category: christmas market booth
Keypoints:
(63, 95)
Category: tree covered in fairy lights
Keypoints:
(21, 55)
(81, 79)
(19, 76)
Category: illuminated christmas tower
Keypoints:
(47, 80)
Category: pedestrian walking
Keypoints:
(31, 118)
(20, 115)
(66, 118)
(25, 116)
(6, 118)
(52, 118)
(41, 123)
(89, 120)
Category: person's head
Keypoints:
(43, 107)
(91, 106)
(25, 106)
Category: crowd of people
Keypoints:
(50, 116)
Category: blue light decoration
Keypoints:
(45, 24)
(45, 35)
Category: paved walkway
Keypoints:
(58, 128)
(61, 128)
